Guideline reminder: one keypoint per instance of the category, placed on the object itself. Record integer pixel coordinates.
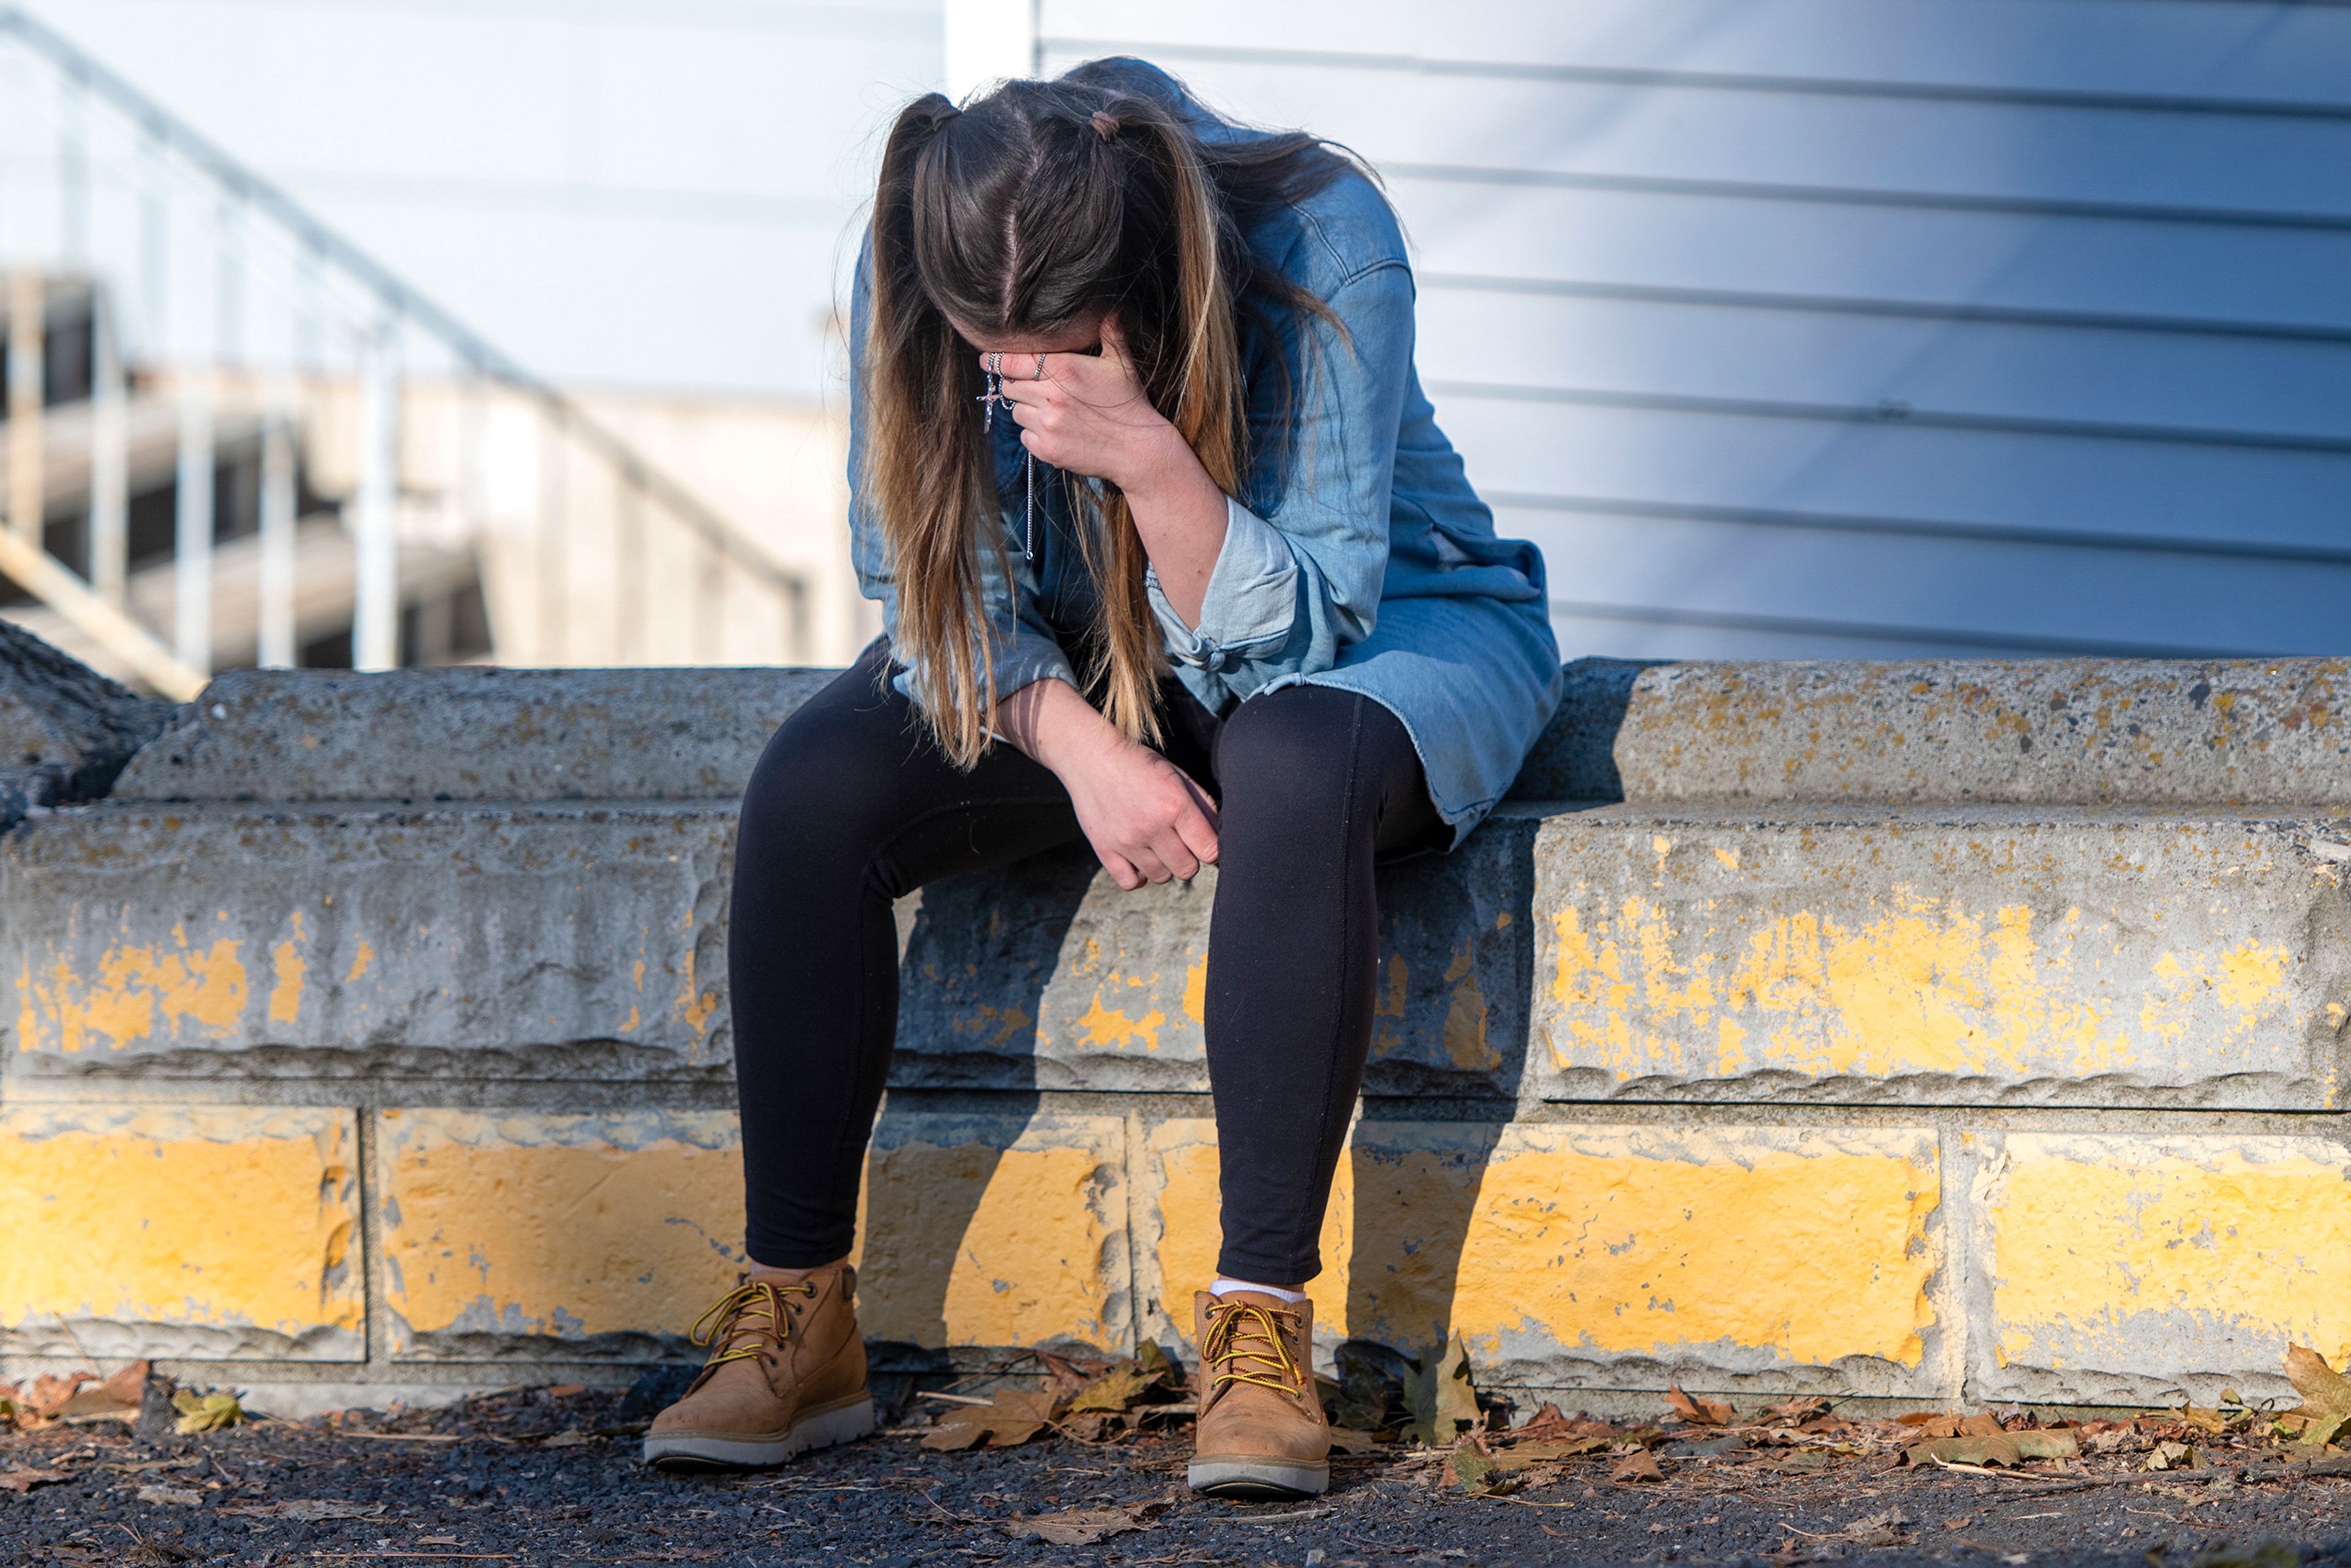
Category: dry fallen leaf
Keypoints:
(207, 1412)
(25, 1481)
(2107, 1436)
(2171, 1457)
(1442, 1398)
(1930, 1426)
(1480, 1476)
(1698, 1412)
(2326, 1395)
(1800, 1461)
(116, 1399)
(1126, 1383)
(1349, 1441)
(307, 1511)
(1878, 1530)
(1083, 1526)
(1634, 1467)
(1007, 1421)
(1517, 1456)
(2010, 1448)
(181, 1497)
(1793, 1411)
(49, 1392)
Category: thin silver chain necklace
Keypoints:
(988, 401)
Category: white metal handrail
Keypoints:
(237, 290)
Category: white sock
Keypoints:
(1227, 1287)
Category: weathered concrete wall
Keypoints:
(2202, 733)
(1928, 1031)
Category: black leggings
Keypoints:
(853, 806)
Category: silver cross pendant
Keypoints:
(994, 395)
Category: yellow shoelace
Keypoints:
(723, 1323)
(1232, 1328)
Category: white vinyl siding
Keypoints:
(1841, 327)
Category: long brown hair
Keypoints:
(1040, 206)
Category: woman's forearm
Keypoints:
(1180, 514)
(1051, 722)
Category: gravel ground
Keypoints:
(550, 1476)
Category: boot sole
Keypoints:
(1259, 1478)
(690, 1452)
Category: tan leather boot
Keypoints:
(785, 1374)
(1261, 1431)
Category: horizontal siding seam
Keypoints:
(1893, 413)
(1908, 309)
(1870, 197)
(1921, 527)
(2088, 99)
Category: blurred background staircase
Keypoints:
(232, 438)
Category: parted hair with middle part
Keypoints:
(1040, 206)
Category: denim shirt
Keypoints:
(1355, 556)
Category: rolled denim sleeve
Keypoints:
(1021, 648)
(1290, 589)
(1251, 602)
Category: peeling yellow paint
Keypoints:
(577, 1224)
(1003, 1026)
(288, 967)
(1195, 990)
(1924, 985)
(362, 958)
(2101, 1246)
(1185, 1156)
(564, 1225)
(1104, 1027)
(135, 990)
(1465, 1015)
(213, 1218)
(693, 1008)
(971, 1243)
(1612, 1240)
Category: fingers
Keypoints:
(1148, 863)
(1204, 800)
(1197, 836)
(1121, 870)
(1176, 852)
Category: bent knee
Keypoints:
(1299, 737)
(827, 772)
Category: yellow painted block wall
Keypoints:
(974, 1230)
(1805, 1247)
(180, 1230)
(2203, 1253)
(996, 1231)
(561, 1225)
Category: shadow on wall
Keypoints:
(977, 951)
(1416, 1165)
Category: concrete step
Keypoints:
(1924, 1100)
